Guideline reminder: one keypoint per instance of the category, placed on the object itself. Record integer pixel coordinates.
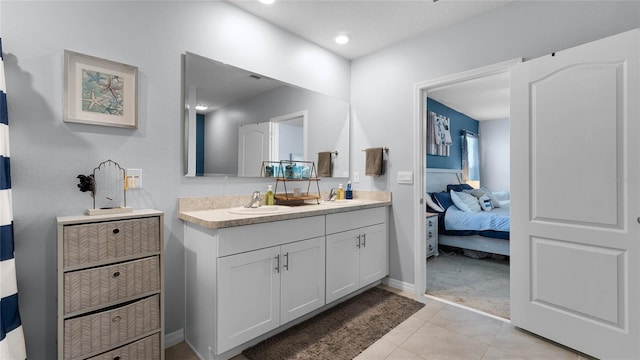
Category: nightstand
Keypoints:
(432, 233)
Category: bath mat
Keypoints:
(341, 332)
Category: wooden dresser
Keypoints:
(110, 286)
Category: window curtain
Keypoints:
(12, 344)
(470, 156)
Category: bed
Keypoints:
(486, 231)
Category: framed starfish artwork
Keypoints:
(99, 92)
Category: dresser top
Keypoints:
(77, 219)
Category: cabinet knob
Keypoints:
(116, 230)
(286, 261)
(430, 247)
(277, 263)
(358, 244)
(430, 234)
(116, 319)
(116, 358)
(430, 222)
(116, 274)
(364, 240)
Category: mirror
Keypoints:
(250, 118)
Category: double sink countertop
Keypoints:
(223, 211)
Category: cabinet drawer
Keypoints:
(147, 348)
(432, 222)
(88, 244)
(86, 289)
(100, 331)
(349, 220)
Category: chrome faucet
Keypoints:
(332, 195)
(255, 200)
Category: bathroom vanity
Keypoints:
(251, 276)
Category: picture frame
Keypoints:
(99, 91)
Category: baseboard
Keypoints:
(400, 285)
(173, 338)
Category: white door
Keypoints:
(342, 264)
(248, 296)
(302, 279)
(575, 204)
(373, 254)
(253, 148)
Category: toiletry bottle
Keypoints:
(268, 199)
(340, 192)
(349, 193)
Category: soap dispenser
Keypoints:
(349, 192)
(269, 198)
(340, 192)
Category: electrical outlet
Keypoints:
(356, 177)
(134, 178)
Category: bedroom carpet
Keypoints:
(481, 284)
(341, 332)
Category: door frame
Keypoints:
(304, 114)
(419, 164)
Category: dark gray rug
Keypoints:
(341, 332)
(482, 284)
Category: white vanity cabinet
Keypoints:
(357, 250)
(243, 281)
(262, 289)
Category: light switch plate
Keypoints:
(405, 177)
(134, 178)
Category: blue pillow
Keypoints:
(443, 199)
(458, 187)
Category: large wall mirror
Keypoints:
(235, 119)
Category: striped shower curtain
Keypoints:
(11, 336)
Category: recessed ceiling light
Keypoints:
(201, 107)
(341, 39)
(267, 2)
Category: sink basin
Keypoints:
(262, 210)
(341, 202)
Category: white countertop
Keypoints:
(222, 218)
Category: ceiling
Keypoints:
(371, 25)
(374, 25)
(481, 99)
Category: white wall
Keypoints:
(382, 84)
(47, 154)
(494, 154)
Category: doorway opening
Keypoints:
(472, 273)
(289, 136)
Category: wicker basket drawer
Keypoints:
(100, 331)
(86, 244)
(147, 348)
(86, 289)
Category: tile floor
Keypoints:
(442, 331)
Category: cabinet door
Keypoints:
(248, 296)
(342, 264)
(373, 254)
(302, 278)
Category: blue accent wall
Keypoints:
(459, 121)
(199, 144)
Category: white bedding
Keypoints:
(496, 219)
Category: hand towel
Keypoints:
(374, 162)
(324, 164)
